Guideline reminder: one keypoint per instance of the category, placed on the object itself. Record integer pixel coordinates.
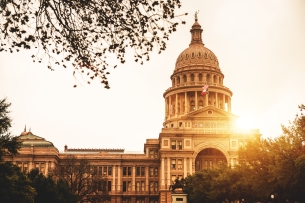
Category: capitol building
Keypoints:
(199, 131)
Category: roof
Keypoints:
(197, 53)
(28, 139)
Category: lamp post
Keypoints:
(272, 198)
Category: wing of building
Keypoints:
(199, 131)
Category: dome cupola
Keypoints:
(195, 67)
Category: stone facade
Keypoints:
(199, 131)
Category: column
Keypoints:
(185, 103)
(146, 179)
(113, 178)
(166, 108)
(216, 97)
(229, 104)
(176, 105)
(223, 101)
(168, 172)
(119, 179)
(196, 101)
(184, 168)
(207, 100)
(47, 168)
(133, 184)
(162, 174)
(170, 106)
(191, 166)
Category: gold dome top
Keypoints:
(196, 53)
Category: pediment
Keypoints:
(209, 112)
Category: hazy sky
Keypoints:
(260, 45)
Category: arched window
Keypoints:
(178, 80)
(200, 77)
(214, 79)
(184, 78)
(178, 108)
(200, 104)
(174, 81)
(208, 78)
(192, 77)
(192, 106)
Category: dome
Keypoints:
(196, 53)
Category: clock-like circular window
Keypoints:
(210, 112)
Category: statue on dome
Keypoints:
(196, 15)
(205, 90)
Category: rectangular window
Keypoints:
(156, 186)
(140, 200)
(129, 171)
(151, 153)
(198, 165)
(138, 186)
(142, 171)
(109, 186)
(151, 186)
(174, 178)
(142, 186)
(156, 153)
(25, 167)
(156, 172)
(42, 168)
(124, 171)
(179, 164)
(124, 186)
(179, 144)
(176, 144)
(153, 201)
(129, 186)
(173, 163)
(138, 171)
(233, 143)
(109, 170)
(94, 170)
(151, 171)
(173, 144)
(100, 170)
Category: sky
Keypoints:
(260, 45)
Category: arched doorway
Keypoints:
(208, 158)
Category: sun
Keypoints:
(245, 123)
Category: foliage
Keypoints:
(15, 186)
(85, 32)
(8, 144)
(276, 166)
(198, 186)
(266, 167)
(48, 190)
(83, 180)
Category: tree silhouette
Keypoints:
(8, 144)
(84, 32)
